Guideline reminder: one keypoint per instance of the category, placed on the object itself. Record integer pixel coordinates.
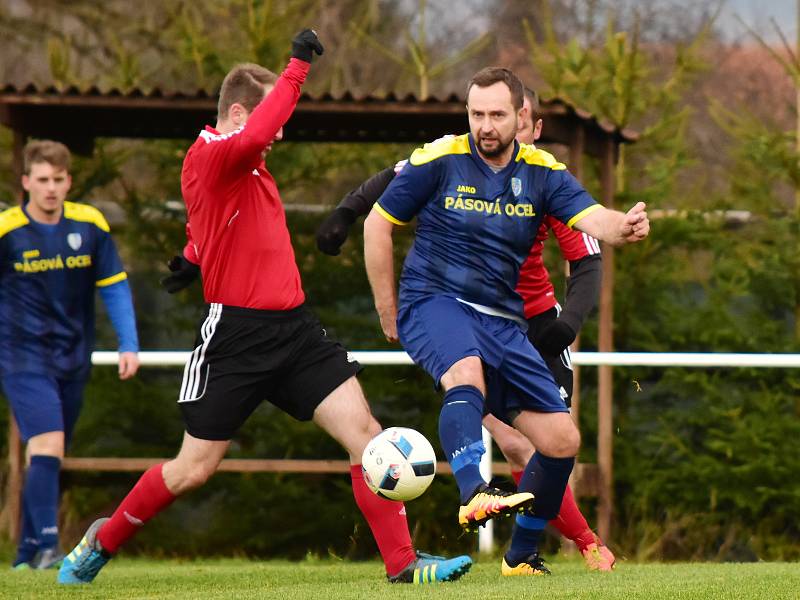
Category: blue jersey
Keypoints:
(476, 227)
(48, 276)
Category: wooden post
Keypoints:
(10, 515)
(18, 145)
(605, 458)
(576, 150)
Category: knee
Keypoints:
(467, 371)
(563, 442)
(181, 477)
(516, 449)
(567, 443)
(47, 444)
(363, 430)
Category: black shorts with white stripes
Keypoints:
(245, 356)
(561, 364)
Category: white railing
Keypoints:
(618, 359)
(615, 359)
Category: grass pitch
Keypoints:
(133, 578)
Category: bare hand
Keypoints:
(635, 225)
(128, 364)
(389, 324)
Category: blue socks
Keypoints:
(41, 499)
(524, 538)
(546, 478)
(461, 436)
(28, 543)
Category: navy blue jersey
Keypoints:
(475, 227)
(48, 277)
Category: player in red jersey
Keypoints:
(258, 341)
(550, 329)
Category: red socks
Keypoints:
(571, 523)
(147, 498)
(387, 520)
(517, 475)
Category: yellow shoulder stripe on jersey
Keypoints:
(582, 214)
(121, 276)
(86, 214)
(388, 216)
(534, 156)
(442, 147)
(12, 219)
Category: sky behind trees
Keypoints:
(757, 14)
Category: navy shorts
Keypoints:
(42, 403)
(439, 331)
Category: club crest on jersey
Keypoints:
(74, 240)
(516, 186)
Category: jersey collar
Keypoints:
(42, 226)
(487, 170)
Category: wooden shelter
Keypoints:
(77, 117)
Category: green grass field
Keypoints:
(132, 578)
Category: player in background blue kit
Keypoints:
(53, 255)
(479, 200)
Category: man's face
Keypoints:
(529, 130)
(47, 187)
(493, 121)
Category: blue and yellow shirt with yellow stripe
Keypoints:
(475, 226)
(48, 277)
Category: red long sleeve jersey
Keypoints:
(235, 217)
(534, 283)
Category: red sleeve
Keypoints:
(574, 244)
(190, 250)
(242, 149)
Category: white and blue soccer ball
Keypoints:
(399, 464)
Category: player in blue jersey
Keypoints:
(53, 255)
(479, 200)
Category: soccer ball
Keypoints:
(399, 464)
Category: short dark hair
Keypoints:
(46, 151)
(244, 84)
(533, 98)
(491, 75)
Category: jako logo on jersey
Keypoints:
(516, 186)
(41, 265)
(74, 240)
(488, 207)
(466, 189)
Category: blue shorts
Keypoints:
(42, 403)
(439, 331)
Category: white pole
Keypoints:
(486, 533)
(619, 359)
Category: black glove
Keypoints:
(555, 337)
(183, 273)
(333, 231)
(305, 44)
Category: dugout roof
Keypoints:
(78, 116)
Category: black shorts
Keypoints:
(244, 356)
(561, 364)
